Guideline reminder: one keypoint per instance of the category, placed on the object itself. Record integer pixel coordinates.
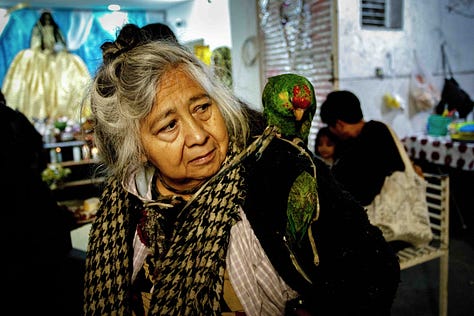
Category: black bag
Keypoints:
(452, 96)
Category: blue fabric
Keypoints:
(16, 35)
(468, 128)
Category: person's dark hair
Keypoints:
(341, 105)
(324, 131)
(45, 18)
(130, 36)
(159, 31)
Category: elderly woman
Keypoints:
(193, 219)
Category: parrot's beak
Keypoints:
(299, 114)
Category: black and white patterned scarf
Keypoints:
(189, 266)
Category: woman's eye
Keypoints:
(203, 107)
(203, 112)
(168, 128)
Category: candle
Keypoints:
(59, 156)
(76, 153)
(95, 153)
(52, 156)
(86, 152)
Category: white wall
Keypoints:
(202, 20)
(426, 25)
(222, 23)
(243, 19)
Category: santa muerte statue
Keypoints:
(46, 81)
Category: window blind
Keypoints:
(297, 37)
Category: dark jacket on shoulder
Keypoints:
(358, 273)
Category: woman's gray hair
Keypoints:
(124, 91)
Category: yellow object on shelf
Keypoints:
(462, 131)
(203, 52)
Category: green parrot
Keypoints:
(289, 103)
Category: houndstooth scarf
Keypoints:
(189, 269)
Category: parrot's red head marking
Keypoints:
(301, 97)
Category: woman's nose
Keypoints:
(195, 133)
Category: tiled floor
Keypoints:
(418, 292)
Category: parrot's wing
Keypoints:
(302, 202)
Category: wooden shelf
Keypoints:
(72, 143)
(72, 163)
(76, 183)
(85, 179)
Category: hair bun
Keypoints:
(130, 36)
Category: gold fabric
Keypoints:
(146, 299)
(44, 84)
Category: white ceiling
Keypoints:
(93, 4)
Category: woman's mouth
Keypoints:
(204, 159)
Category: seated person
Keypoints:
(366, 152)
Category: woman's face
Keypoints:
(184, 135)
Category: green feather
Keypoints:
(279, 108)
(301, 207)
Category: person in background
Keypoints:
(325, 145)
(193, 219)
(366, 151)
(35, 230)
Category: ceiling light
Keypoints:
(114, 7)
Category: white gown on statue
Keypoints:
(45, 83)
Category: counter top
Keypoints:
(441, 150)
